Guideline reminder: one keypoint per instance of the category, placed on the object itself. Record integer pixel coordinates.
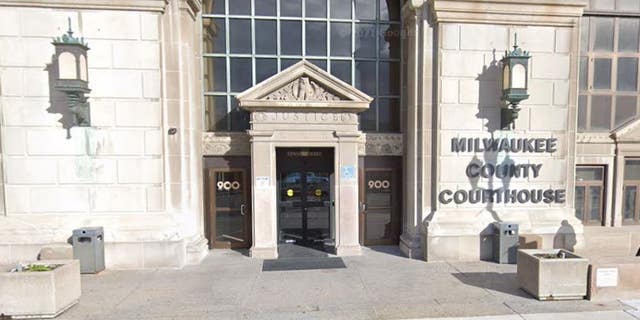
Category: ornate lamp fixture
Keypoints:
(70, 64)
(515, 83)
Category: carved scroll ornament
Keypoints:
(302, 89)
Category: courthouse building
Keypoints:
(286, 127)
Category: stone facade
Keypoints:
(138, 169)
(124, 172)
(463, 101)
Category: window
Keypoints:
(631, 187)
(247, 41)
(590, 194)
(608, 82)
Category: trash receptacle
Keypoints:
(88, 247)
(505, 242)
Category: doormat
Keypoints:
(291, 264)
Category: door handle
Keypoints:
(242, 209)
(364, 207)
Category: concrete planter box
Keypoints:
(40, 294)
(548, 278)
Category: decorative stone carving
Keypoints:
(381, 144)
(304, 117)
(593, 138)
(225, 144)
(302, 89)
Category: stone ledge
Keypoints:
(516, 12)
(138, 5)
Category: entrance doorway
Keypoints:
(380, 202)
(228, 219)
(305, 201)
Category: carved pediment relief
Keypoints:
(628, 131)
(302, 89)
(304, 86)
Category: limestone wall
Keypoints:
(470, 91)
(469, 47)
(123, 172)
(114, 166)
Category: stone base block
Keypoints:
(530, 241)
(56, 252)
(264, 253)
(44, 294)
(145, 255)
(12, 253)
(343, 250)
(614, 277)
(459, 248)
(197, 250)
(411, 247)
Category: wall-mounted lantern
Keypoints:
(515, 83)
(70, 65)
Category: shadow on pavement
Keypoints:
(501, 282)
(390, 250)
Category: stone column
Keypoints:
(618, 187)
(417, 162)
(264, 206)
(347, 242)
(182, 104)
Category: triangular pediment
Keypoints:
(304, 85)
(628, 131)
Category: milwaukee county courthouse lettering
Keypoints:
(287, 127)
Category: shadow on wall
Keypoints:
(489, 106)
(58, 100)
(486, 243)
(565, 237)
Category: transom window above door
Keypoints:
(247, 41)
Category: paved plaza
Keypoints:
(380, 284)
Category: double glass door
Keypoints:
(305, 201)
(305, 207)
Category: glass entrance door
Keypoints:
(305, 205)
(379, 208)
(380, 204)
(230, 221)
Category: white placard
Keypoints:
(606, 277)
(262, 182)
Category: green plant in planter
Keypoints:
(39, 268)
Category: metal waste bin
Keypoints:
(88, 247)
(505, 242)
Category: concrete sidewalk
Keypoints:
(380, 284)
(594, 315)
